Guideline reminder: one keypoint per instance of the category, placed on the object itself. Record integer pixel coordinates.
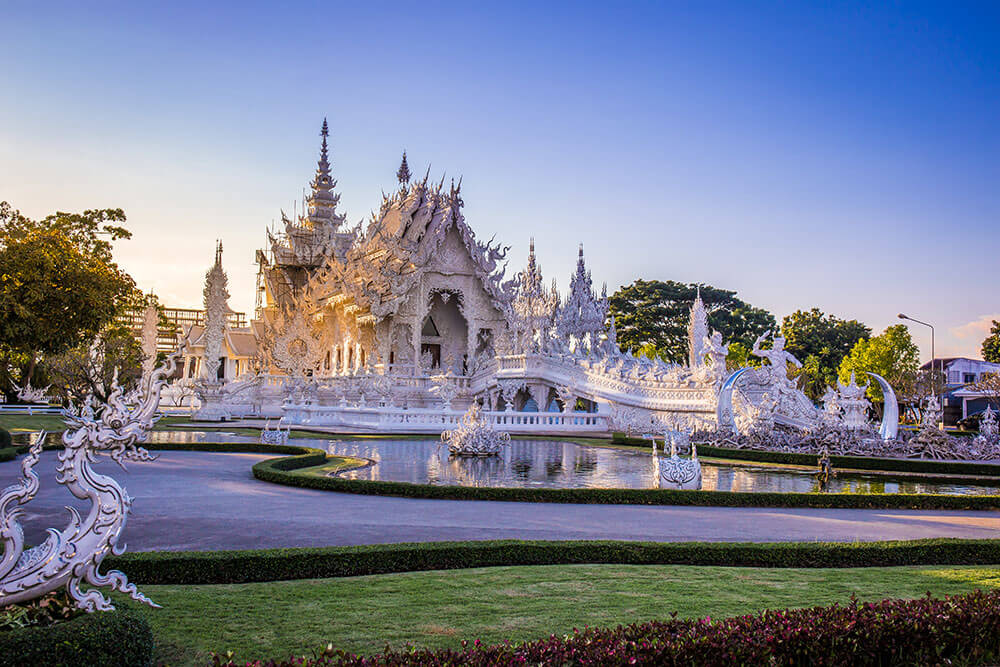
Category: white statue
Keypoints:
(777, 355)
(30, 394)
(216, 312)
(475, 435)
(71, 557)
(676, 472)
(851, 399)
(988, 423)
(276, 436)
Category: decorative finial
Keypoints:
(581, 251)
(404, 171)
(218, 251)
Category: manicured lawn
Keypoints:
(333, 464)
(440, 608)
(21, 423)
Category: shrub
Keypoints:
(225, 567)
(110, 638)
(8, 454)
(5, 439)
(927, 631)
(46, 610)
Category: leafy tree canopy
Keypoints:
(651, 314)
(58, 284)
(991, 346)
(90, 367)
(821, 342)
(892, 354)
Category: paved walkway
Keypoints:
(201, 501)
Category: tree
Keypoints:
(988, 386)
(893, 355)
(90, 367)
(654, 315)
(821, 342)
(58, 284)
(991, 346)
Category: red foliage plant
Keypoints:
(963, 629)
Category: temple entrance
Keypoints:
(444, 335)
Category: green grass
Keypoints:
(32, 423)
(333, 464)
(440, 608)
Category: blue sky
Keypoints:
(837, 155)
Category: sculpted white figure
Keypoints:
(778, 357)
(475, 435)
(675, 472)
(851, 399)
(30, 394)
(72, 557)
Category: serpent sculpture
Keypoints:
(72, 557)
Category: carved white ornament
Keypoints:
(72, 557)
(475, 435)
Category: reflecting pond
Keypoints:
(554, 464)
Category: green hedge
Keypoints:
(110, 638)
(281, 471)
(852, 462)
(225, 567)
(8, 454)
(5, 439)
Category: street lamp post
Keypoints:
(933, 356)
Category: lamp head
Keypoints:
(902, 316)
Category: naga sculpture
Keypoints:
(30, 394)
(475, 435)
(72, 557)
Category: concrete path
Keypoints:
(202, 501)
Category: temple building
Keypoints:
(415, 291)
(410, 312)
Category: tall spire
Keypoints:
(324, 132)
(697, 331)
(583, 314)
(404, 171)
(322, 203)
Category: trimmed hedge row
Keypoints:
(8, 454)
(109, 638)
(852, 462)
(281, 471)
(962, 629)
(231, 567)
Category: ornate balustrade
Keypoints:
(425, 420)
(588, 380)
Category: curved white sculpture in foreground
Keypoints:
(71, 557)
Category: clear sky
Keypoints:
(837, 155)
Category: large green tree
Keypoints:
(991, 346)
(893, 355)
(91, 366)
(821, 342)
(59, 285)
(654, 315)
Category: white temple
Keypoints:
(403, 323)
